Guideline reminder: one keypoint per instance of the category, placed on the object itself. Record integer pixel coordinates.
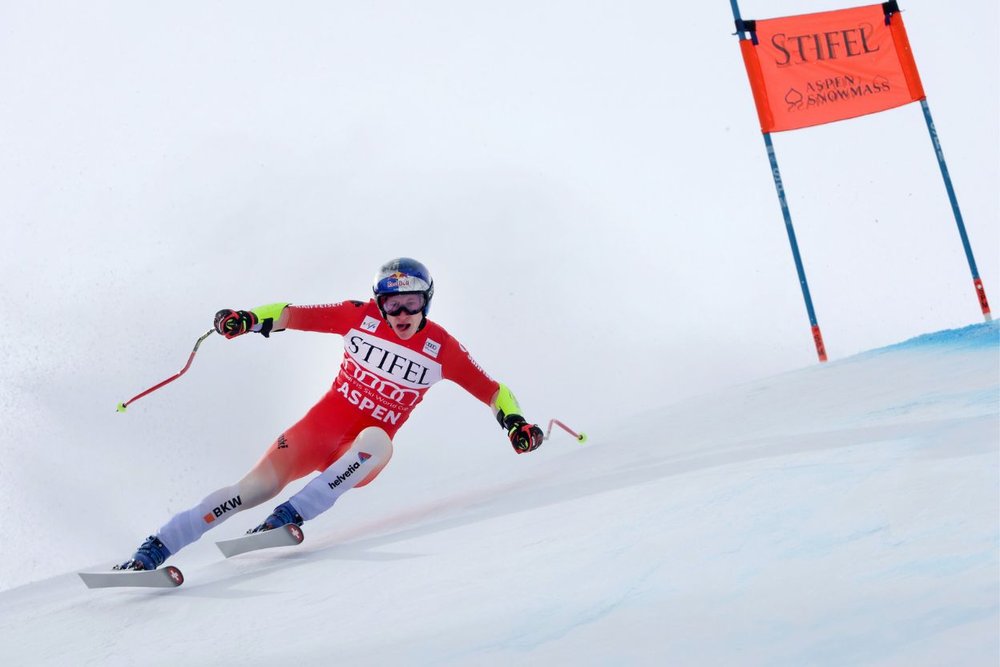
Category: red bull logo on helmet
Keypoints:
(399, 281)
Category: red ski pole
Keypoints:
(580, 437)
(124, 404)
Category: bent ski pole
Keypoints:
(124, 404)
(580, 437)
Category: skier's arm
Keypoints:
(335, 318)
(331, 318)
(458, 366)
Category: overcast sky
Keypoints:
(586, 181)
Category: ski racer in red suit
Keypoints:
(392, 356)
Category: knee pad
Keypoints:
(362, 461)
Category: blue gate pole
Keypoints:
(799, 268)
(977, 283)
(787, 215)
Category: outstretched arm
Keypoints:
(458, 366)
(327, 318)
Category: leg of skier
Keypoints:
(360, 464)
(262, 483)
(302, 449)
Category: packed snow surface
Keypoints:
(843, 514)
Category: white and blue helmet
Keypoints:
(403, 275)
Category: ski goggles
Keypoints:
(411, 303)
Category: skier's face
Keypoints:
(403, 312)
(404, 325)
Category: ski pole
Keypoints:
(124, 404)
(580, 437)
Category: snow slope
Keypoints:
(844, 514)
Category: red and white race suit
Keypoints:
(381, 380)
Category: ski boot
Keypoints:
(149, 556)
(283, 513)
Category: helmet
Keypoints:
(403, 275)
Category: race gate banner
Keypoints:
(819, 68)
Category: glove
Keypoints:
(233, 323)
(524, 437)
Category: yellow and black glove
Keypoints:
(233, 323)
(524, 437)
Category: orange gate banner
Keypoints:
(819, 68)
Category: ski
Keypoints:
(283, 536)
(167, 577)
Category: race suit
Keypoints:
(382, 379)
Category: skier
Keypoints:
(392, 355)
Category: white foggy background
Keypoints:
(586, 181)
